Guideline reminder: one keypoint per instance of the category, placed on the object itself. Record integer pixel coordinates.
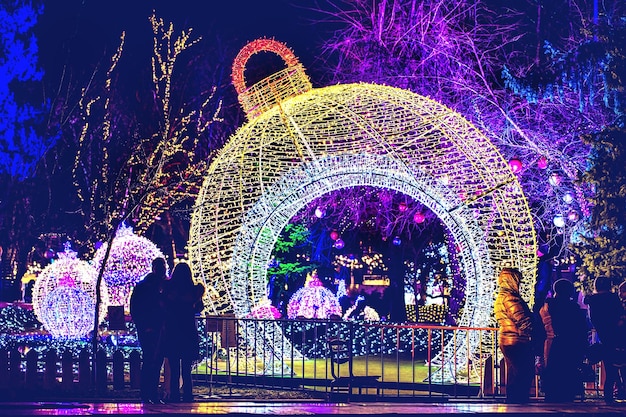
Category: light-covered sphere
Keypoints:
(68, 312)
(559, 221)
(129, 261)
(313, 301)
(67, 272)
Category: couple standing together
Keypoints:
(565, 338)
(164, 312)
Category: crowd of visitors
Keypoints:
(562, 338)
(163, 311)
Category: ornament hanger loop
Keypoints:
(259, 45)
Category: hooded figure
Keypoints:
(515, 323)
(565, 345)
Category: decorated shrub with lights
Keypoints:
(64, 296)
(313, 301)
(129, 261)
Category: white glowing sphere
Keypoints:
(75, 277)
(568, 198)
(559, 221)
(129, 261)
(554, 180)
(68, 312)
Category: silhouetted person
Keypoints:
(515, 322)
(565, 345)
(146, 309)
(183, 299)
(605, 309)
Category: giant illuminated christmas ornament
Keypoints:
(302, 142)
(313, 301)
(130, 259)
(64, 296)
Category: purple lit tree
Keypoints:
(455, 52)
(595, 69)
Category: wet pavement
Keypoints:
(305, 408)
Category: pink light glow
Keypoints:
(515, 165)
(419, 217)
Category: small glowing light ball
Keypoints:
(568, 198)
(339, 244)
(54, 296)
(559, 221)
(129, 261)
(67, 312)
(313, 301)
(572, 216)
(397, 241)
(515, 165)
(402, 207)
(554, 180)
(334, 235)
(419, 217)
(542, 163)
(320, 212)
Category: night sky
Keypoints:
(80, 34)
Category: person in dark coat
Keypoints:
(183, 299)
(516, 327)
(146, 309)
(565, 345)
(605, 310)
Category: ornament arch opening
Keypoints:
(265, 221)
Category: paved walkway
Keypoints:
(305, 408)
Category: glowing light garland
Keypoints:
(301, 143)
(129, 261)
(64, 296)
(313, 301)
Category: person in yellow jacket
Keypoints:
(514, 336)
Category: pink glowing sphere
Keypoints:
(515, 165)
(419, 217)
(402, 207)
(334, 235)
(542, 163)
